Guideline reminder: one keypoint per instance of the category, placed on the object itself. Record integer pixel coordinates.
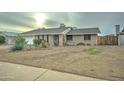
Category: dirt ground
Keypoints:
(108, 64)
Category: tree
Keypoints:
(2, 39)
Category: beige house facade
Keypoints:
(80, 39)
(63, 36)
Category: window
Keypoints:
(43, 37)
(87, 37)
(47, 38)
(69, 37)
(37, 37)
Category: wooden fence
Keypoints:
(107, 40)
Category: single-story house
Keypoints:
(63, 35)
(9, 36)
(121, 38)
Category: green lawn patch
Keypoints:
(93, 50)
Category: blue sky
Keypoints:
(25, 21)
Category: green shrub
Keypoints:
(16, 48)
(88, 44)
(81, 43)
(37, 42)
(20, 42)
(40, 43)
(2, 39)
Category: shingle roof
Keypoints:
(84, 31)
(46, 31)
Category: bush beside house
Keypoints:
(2, 39)
(20, 42)
(40, 43)
(37, 42)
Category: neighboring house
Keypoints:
(121, 38)
(63, 35)
(9, 36)
(120, 35)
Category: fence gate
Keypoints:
(107, 40)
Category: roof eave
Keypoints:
(82, 34)
(121, 33)
(42, 34)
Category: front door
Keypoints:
(56, 40)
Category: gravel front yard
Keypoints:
(107, 64)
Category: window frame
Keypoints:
(47, 38)
(87, 36)
(69, 37)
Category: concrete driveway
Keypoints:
(17, 72)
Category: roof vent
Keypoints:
(73, 28)
(62, 25)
